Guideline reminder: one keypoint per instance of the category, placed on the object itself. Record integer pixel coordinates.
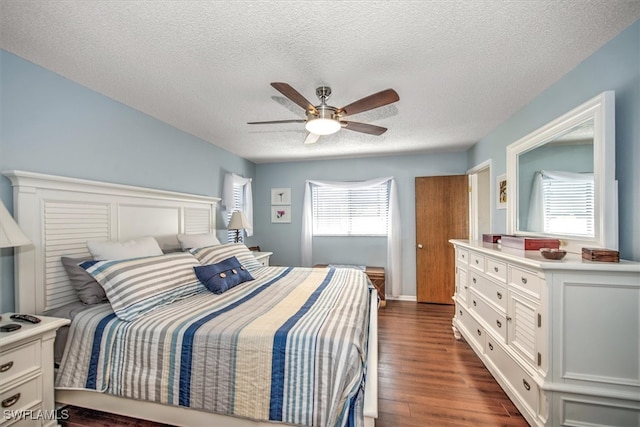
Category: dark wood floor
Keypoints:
(426, 377)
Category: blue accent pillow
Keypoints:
(222, 276)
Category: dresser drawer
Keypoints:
(19, 361)
(525, 279)
(475, 334)
(476, 260)
(21, 397)
(497, 269)
(496, 321)
(492, 291)
(519, 380)
(463, 256)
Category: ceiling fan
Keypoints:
(324, 119)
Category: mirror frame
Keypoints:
(601, 110)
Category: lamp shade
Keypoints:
(238, 221)
(10, 233)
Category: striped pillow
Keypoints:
(136, 286)
(215, 254)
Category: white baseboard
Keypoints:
(402, 298)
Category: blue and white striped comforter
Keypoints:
(289, 346)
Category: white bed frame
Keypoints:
(60, 214)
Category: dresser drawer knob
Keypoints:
(526, 385)
(495, 269)
(477, 262)
(474, 303)
(473, 280)
(508, 318)
(10, 401)
(524, 280)
(479, 333)
(6, 366)
(499, 323)
(499, 295)
(490, 346)
(460, 312)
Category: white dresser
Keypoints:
(26, 373)
(562, 338)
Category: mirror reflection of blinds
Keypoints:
(350, 212)
(237, 206)
(568, 206)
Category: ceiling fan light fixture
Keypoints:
(322, 126)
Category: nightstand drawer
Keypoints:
(19, 361)
(21, 397)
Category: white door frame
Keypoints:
(473, 199)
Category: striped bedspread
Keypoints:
(289, 346)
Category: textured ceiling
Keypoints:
(460, 67)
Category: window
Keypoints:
(568, 206)
(237, 206)
(339, 211)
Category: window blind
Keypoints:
(237, 206)
(341, 211)
(568, 206)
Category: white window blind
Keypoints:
(237, 206)
(341, 211)
(568, 206)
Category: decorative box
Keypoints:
(529, 243)
(491, 238)
(599, 254)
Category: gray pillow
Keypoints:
(88, 290)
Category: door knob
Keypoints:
(419, 245)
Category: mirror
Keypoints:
(561, 179)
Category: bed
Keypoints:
(219, 367)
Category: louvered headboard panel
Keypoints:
(61, 214)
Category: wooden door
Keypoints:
(442, 213)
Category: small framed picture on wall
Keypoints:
(501, 191)
(281, 214)
(280, 196)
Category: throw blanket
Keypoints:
(289, 346)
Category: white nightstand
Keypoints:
(26, 373)
(262, 257)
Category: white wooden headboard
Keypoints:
(60, 214)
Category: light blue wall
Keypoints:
(52, 125)
(284, 239)
(616, 66)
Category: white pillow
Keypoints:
(190, 241)
(136, 248)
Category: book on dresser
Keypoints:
(562, 338)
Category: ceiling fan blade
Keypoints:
(364, 128)
(311, 138)
(370, 102)
(294, 96)
(277, 121)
